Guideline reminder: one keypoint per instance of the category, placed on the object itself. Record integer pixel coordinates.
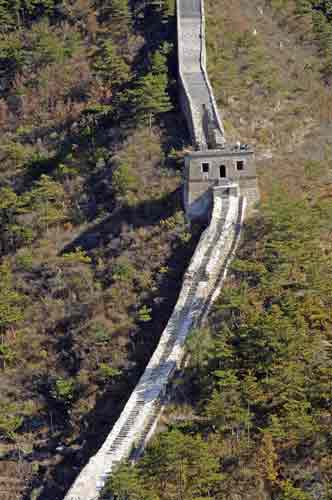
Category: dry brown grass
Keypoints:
(269, 88)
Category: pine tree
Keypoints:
(199, 346)
(8, 17)
(110, 66)
(11, 301)
(47, 199)
(303, 7)
(126, 484)
(267, 460)
(179, 466)
(151, 97)
(118, 13)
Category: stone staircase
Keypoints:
(205, 273)
(207, 130)
(202, 280)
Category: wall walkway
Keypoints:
(202, 280)
(197, 99)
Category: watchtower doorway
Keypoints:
(222, 171)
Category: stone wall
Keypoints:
(197, 99)
(206, 169)
(207, 269)
(204, 276)
(204, 122)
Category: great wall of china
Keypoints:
(224, 202)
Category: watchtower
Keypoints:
(206, 169)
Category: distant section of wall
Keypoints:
(196, 96)
(204, 122)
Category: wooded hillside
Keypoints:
(93, 240)
(252, 417)
(93, 245)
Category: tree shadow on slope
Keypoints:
(145, 214)
(99, 421)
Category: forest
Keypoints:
(94, 243)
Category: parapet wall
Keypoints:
(196, 96)
(184, 96)
(203, 62)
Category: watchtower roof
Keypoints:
(228, 150)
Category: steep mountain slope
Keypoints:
(269, 77)
(251, 418)
(93, 240)
(93, 246)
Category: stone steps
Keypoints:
(205, 274)
(192, 72)
(139, 415)
(190, 8)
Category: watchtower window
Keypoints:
(222, 171)
(205, 168)
(240, 165)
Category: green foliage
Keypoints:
(110, 66)
(16, 153)
(12, 55)
(78, 256)
(100, 333)
(198, 344)
(8, 201)
(151, 96)
(123, 270)
(7, 355)
(13, 12)
(64, 390)
(46, 46)
(303, 7)
(11, 302)
(118, 13)
(13, 233)
(144, 314)
(175, 466)
(10, 422)
(124, 180)
(126, 484)
(290, 492)
(47, 199)
(66, 116)
(259, 373)
(107, 373)
(25, 260)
